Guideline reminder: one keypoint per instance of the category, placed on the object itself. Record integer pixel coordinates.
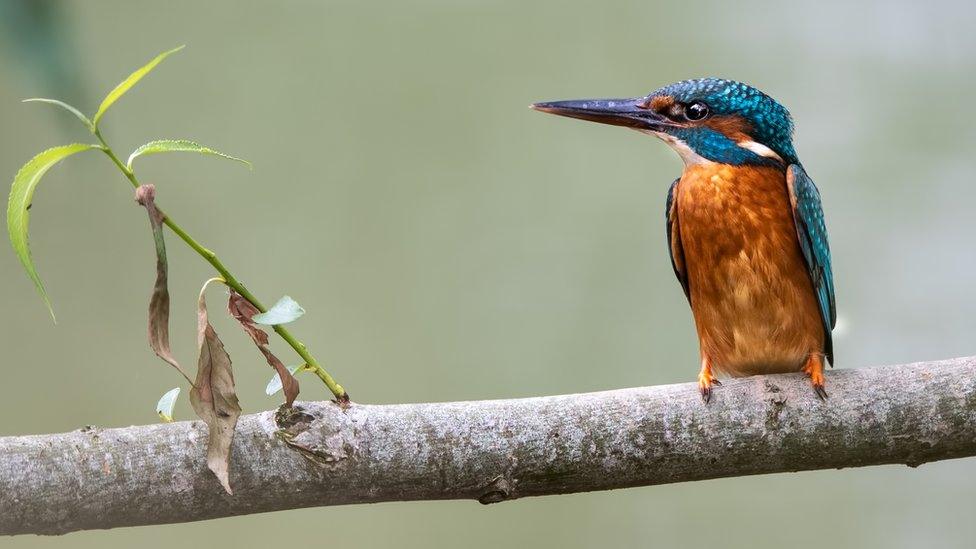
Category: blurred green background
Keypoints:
(450, 244)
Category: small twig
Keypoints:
(340, 394)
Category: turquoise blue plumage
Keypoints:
(812, 232)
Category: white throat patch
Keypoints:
(687, 154)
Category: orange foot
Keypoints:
(814, 368)
(706, 380)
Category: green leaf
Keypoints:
(124, 86)
(283, 312)
(65, 106)
(165, 405)
(274, 384)
(178, 145)
(21, 194)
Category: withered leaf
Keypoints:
(159, 302)
(242, 309)
(213, 395)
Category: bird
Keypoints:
(744, 223)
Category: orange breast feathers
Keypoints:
(751, 294)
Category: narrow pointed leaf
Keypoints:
(178, 145)
(243, 310)
(284, 311)
(84, 119)
(165, 405)
(214, 396)
(21, 194)
(126, 84)
(159, 302)
(274, 384)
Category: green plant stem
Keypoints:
(341, 396)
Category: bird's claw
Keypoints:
(705, 384)
(814, 369)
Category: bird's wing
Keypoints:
(812, 233)
(674, 238)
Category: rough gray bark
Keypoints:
(489, 451)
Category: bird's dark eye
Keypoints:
(696, 111)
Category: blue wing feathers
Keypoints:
(812, 234)
(674, 239)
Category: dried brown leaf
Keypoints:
(213, 396)
(243, 310)
(159, 302)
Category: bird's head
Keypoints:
(708, 119)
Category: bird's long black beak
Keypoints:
(632, 113)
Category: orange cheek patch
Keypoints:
(734, 127)
(661, 103)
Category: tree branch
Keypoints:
(489, 451)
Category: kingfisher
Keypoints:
(745, 226)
